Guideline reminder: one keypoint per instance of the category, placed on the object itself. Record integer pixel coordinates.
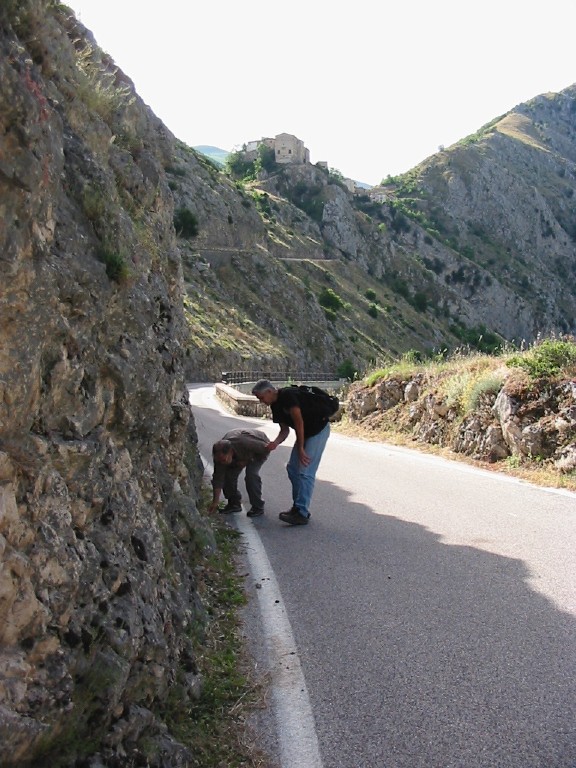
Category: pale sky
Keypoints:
(372, 87)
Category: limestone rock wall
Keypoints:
(99, 528)
(511, 420)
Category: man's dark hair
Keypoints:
(222, 447)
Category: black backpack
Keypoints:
(321, 400)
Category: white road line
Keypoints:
(297, 734)
(452, 464)
(296, 730)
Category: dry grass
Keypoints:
(522, 129)
(532, 472)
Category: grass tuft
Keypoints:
(215, 727)
(116, 266)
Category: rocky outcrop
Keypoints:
(534, 423)
(99, 479)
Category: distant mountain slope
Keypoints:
(502, 202)
(215, 154)
(475, 246)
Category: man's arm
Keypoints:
(215, 499)
(218, 476)
(282, 435)
(298, 421)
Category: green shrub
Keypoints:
(313, 206)
(454, 389)
(94, 204)
(262, 202)
(370, 295)
(266, 158)
(308, 199)
(478, 338)
(490, 384)
(116, 266)
(464, 389)
(419, 301)
(400, 223)
(373, 310)
(330, 300)
(347, 370)
(238, 167)
(412, 356)
(376, 376)
(547, 359)
(399, 286)
(175, 170)
(185, 223)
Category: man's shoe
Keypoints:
(230, 508)
(255, 512)
(293, 517)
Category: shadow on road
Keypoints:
(417, 652)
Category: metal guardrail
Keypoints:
(241, 377)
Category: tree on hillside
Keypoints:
(266, 158)
(238, 166)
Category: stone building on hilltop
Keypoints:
(288, 149)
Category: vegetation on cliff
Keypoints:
(514, 411)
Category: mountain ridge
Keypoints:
(429, 253)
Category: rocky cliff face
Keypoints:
(243, 309)
(99, 528)
(495, 215)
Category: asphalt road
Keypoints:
(432, 606)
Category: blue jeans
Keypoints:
(303, 478)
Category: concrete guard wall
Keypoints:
(245, 404)
(241, 403)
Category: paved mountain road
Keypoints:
(433, 606)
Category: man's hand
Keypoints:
(303, 456)
(282, 435)
(215, 500)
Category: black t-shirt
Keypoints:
(288, 397)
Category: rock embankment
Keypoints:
(509, 419)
